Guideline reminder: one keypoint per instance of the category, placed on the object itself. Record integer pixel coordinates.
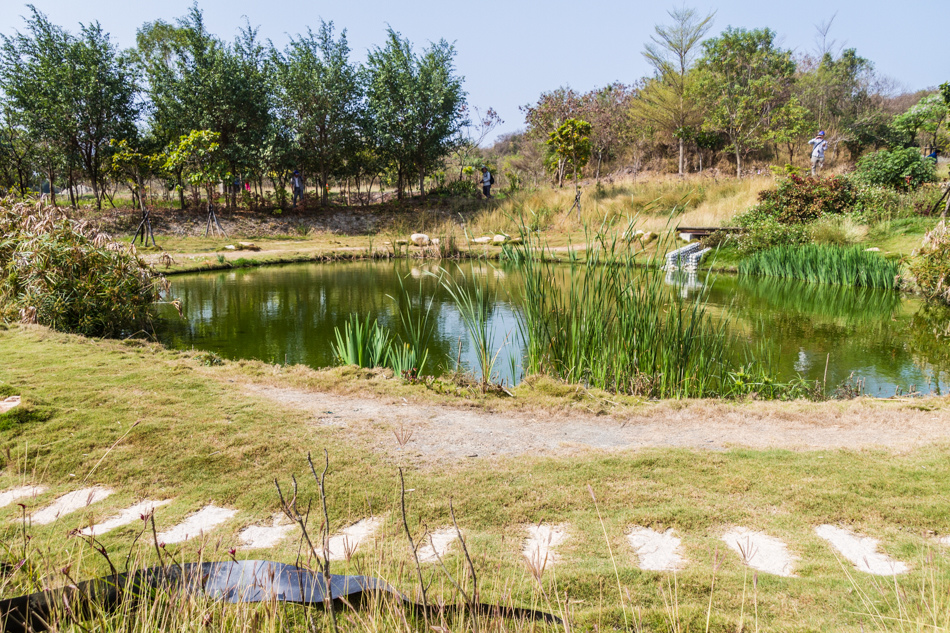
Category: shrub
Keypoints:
(902, 169)
(836, 230)
(763, 230)
(69, 276)
(931, 264)
(797, 200)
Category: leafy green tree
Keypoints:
(925, 117)
(608, 111)
(790, 126)
(546, 116)
(665, 101)
(321, 102)
(18, 152)
(571, 144)
(745, 77)
(76, 93)
(197, 82)
(416, 104)
(199, 156)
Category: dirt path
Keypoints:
(442, 432)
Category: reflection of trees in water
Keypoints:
(929, 337)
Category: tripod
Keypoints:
(212, 218)
(145, 226)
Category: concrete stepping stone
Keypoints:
(542, 540)
(437, 545)
(129, 515)
(944, 540)
(761, 551)
(263, 536)
(861, 551)
(70, 502)
(342, 546)
(657, 551)
(20, 492)
(204, 520)
(9, 403)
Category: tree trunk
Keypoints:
(52, 189)
(682, 157)
(181, 190)
(738, 162)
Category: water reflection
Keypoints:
(288, 314)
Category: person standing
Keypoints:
(296, 183)
(819, 145)
(487, 181)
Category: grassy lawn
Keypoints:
(153, 423)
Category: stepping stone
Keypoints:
(204, 520)
(760, 551)
(262, 536)
(437, 545)
(342, 546)
(9, 496)
(9, 403)
(944, 540)
(539, 547)
(70, 502)
(861, 551)
(129, 515)
(657, 551)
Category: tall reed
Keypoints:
(825, 264)
(475, 304)
(611, 323)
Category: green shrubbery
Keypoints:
(902, 169)
(65, 274)
(931, 264)
(798, 200)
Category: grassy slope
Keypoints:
(200, 438)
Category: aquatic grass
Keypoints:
(475, 304)
(825, 264)
(363, 344)
(611, 323)
(410, 349)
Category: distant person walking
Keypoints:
(296, 183)
(819, 145)
(487, 181)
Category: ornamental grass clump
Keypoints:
(71, 277)
(825, 264)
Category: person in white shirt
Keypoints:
(487, 181)
(819, 145)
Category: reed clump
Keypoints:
(825, 264)
(69, 276)
(611, 323)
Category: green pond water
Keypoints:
(287, 314)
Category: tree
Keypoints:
(571, 144)
(671, 51)
(745, 77)
(790, 125)
(416, 104)
(18, 151)
(925, 117)
(321, 102)
(607, 110)
(76, 94)
(548, 114)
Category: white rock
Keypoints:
(419, 239)
(230, 247)
(204, 520)
(656, 551)
(70, 503)
(9, 496)
(483, 240)
(437, 545)
(760, 551)
(499, 239)
(9, 403)
(434, 241)
(130, 514)
(861, 551)
(542, 540)
(342, 546)
(873, 249)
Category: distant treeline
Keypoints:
(735, 97)
(193, 110)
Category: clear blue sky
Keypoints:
(510, 51)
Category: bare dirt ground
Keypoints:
(447, 433)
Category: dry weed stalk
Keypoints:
(403, 435)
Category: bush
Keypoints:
(902, 169)
(763, 230)
(798, 200)
(931, 264)
(68, 276)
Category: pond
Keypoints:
(891, 342)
